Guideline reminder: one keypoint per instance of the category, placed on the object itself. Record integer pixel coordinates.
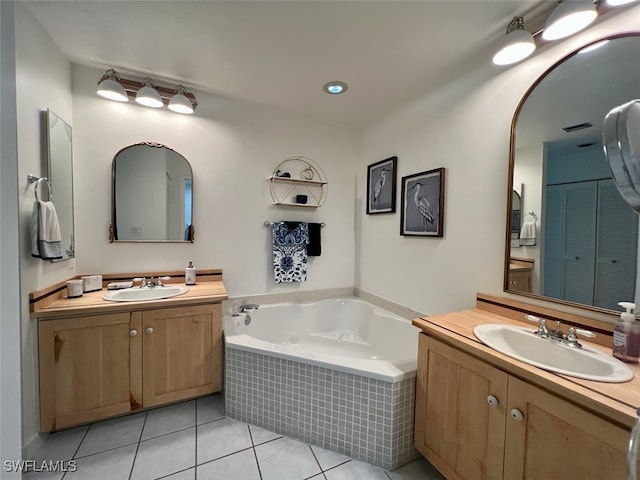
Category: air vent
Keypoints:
(585, 145)
(575, 128)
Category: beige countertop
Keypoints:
(92, 303)
(615, 401)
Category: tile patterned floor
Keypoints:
(193, 440)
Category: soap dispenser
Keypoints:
(626, 335)
(190, 274)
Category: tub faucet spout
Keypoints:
(248, 307)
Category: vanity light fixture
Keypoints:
(179, 102)
(110, 87)
(335, 87)
(114, 87)
(148, 95)
(569, 17)
(517, 45)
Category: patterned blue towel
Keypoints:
(290, 252)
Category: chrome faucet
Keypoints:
(571, 340)
(249, 307)
(151, 283)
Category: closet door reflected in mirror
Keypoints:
(586, 253)
(58, 168)
(152, 195)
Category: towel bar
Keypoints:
(37, 180)
(268, 223)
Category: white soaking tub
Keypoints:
(339, 373)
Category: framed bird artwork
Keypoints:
(381, 186)
(422, 211)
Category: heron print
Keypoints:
(422, 203)
(381, 186)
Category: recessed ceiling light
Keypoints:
(335, 87)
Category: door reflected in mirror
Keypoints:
(587, 248)
(152, 195)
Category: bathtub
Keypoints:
(338, 373)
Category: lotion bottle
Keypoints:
(190, 274)
(626, 335)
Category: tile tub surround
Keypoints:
(366, 419)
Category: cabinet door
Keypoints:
(456, 429)
(520, 281)
(556, 439)
(182, 353)
(84, 369)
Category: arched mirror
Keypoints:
(152, 195)
(586, 250)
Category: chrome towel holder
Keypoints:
(38, 180)
(268, 223)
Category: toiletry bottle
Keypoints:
(626, 336)
(190, 274)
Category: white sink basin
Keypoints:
(137, 294)
(520, 343)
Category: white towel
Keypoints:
(528, 231)
(46, 240)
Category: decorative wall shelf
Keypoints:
(295, 179)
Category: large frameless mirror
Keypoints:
(58, 168)
(152, 195)
(586, 247)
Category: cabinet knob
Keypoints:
(149, 330)
(493, 401)
(517, 415)
(133, 332)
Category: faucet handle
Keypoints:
(142, 280)
(543, 330)
(160, 279)
(572, 336)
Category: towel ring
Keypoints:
(38, 181)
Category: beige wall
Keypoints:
(43, 81)
(464, 127)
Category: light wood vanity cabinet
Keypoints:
(182, 353)
(85, 369)
(97, 366)
(476, 421)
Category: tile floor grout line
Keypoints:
(135, 455)
(105, 451)
(73, 457)
(338, 465)
(223, 456)
(174, 473)
(255, 454)
(316, 459)
(195, 451)
(168, 433)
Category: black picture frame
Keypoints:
(422, 209)
(381, 186)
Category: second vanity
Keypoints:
(100, 359)
(482, 414)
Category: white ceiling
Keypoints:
(280, 53)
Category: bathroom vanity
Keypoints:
(482, 414)
(100, 358)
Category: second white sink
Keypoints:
(521, 344)
(137, 294)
